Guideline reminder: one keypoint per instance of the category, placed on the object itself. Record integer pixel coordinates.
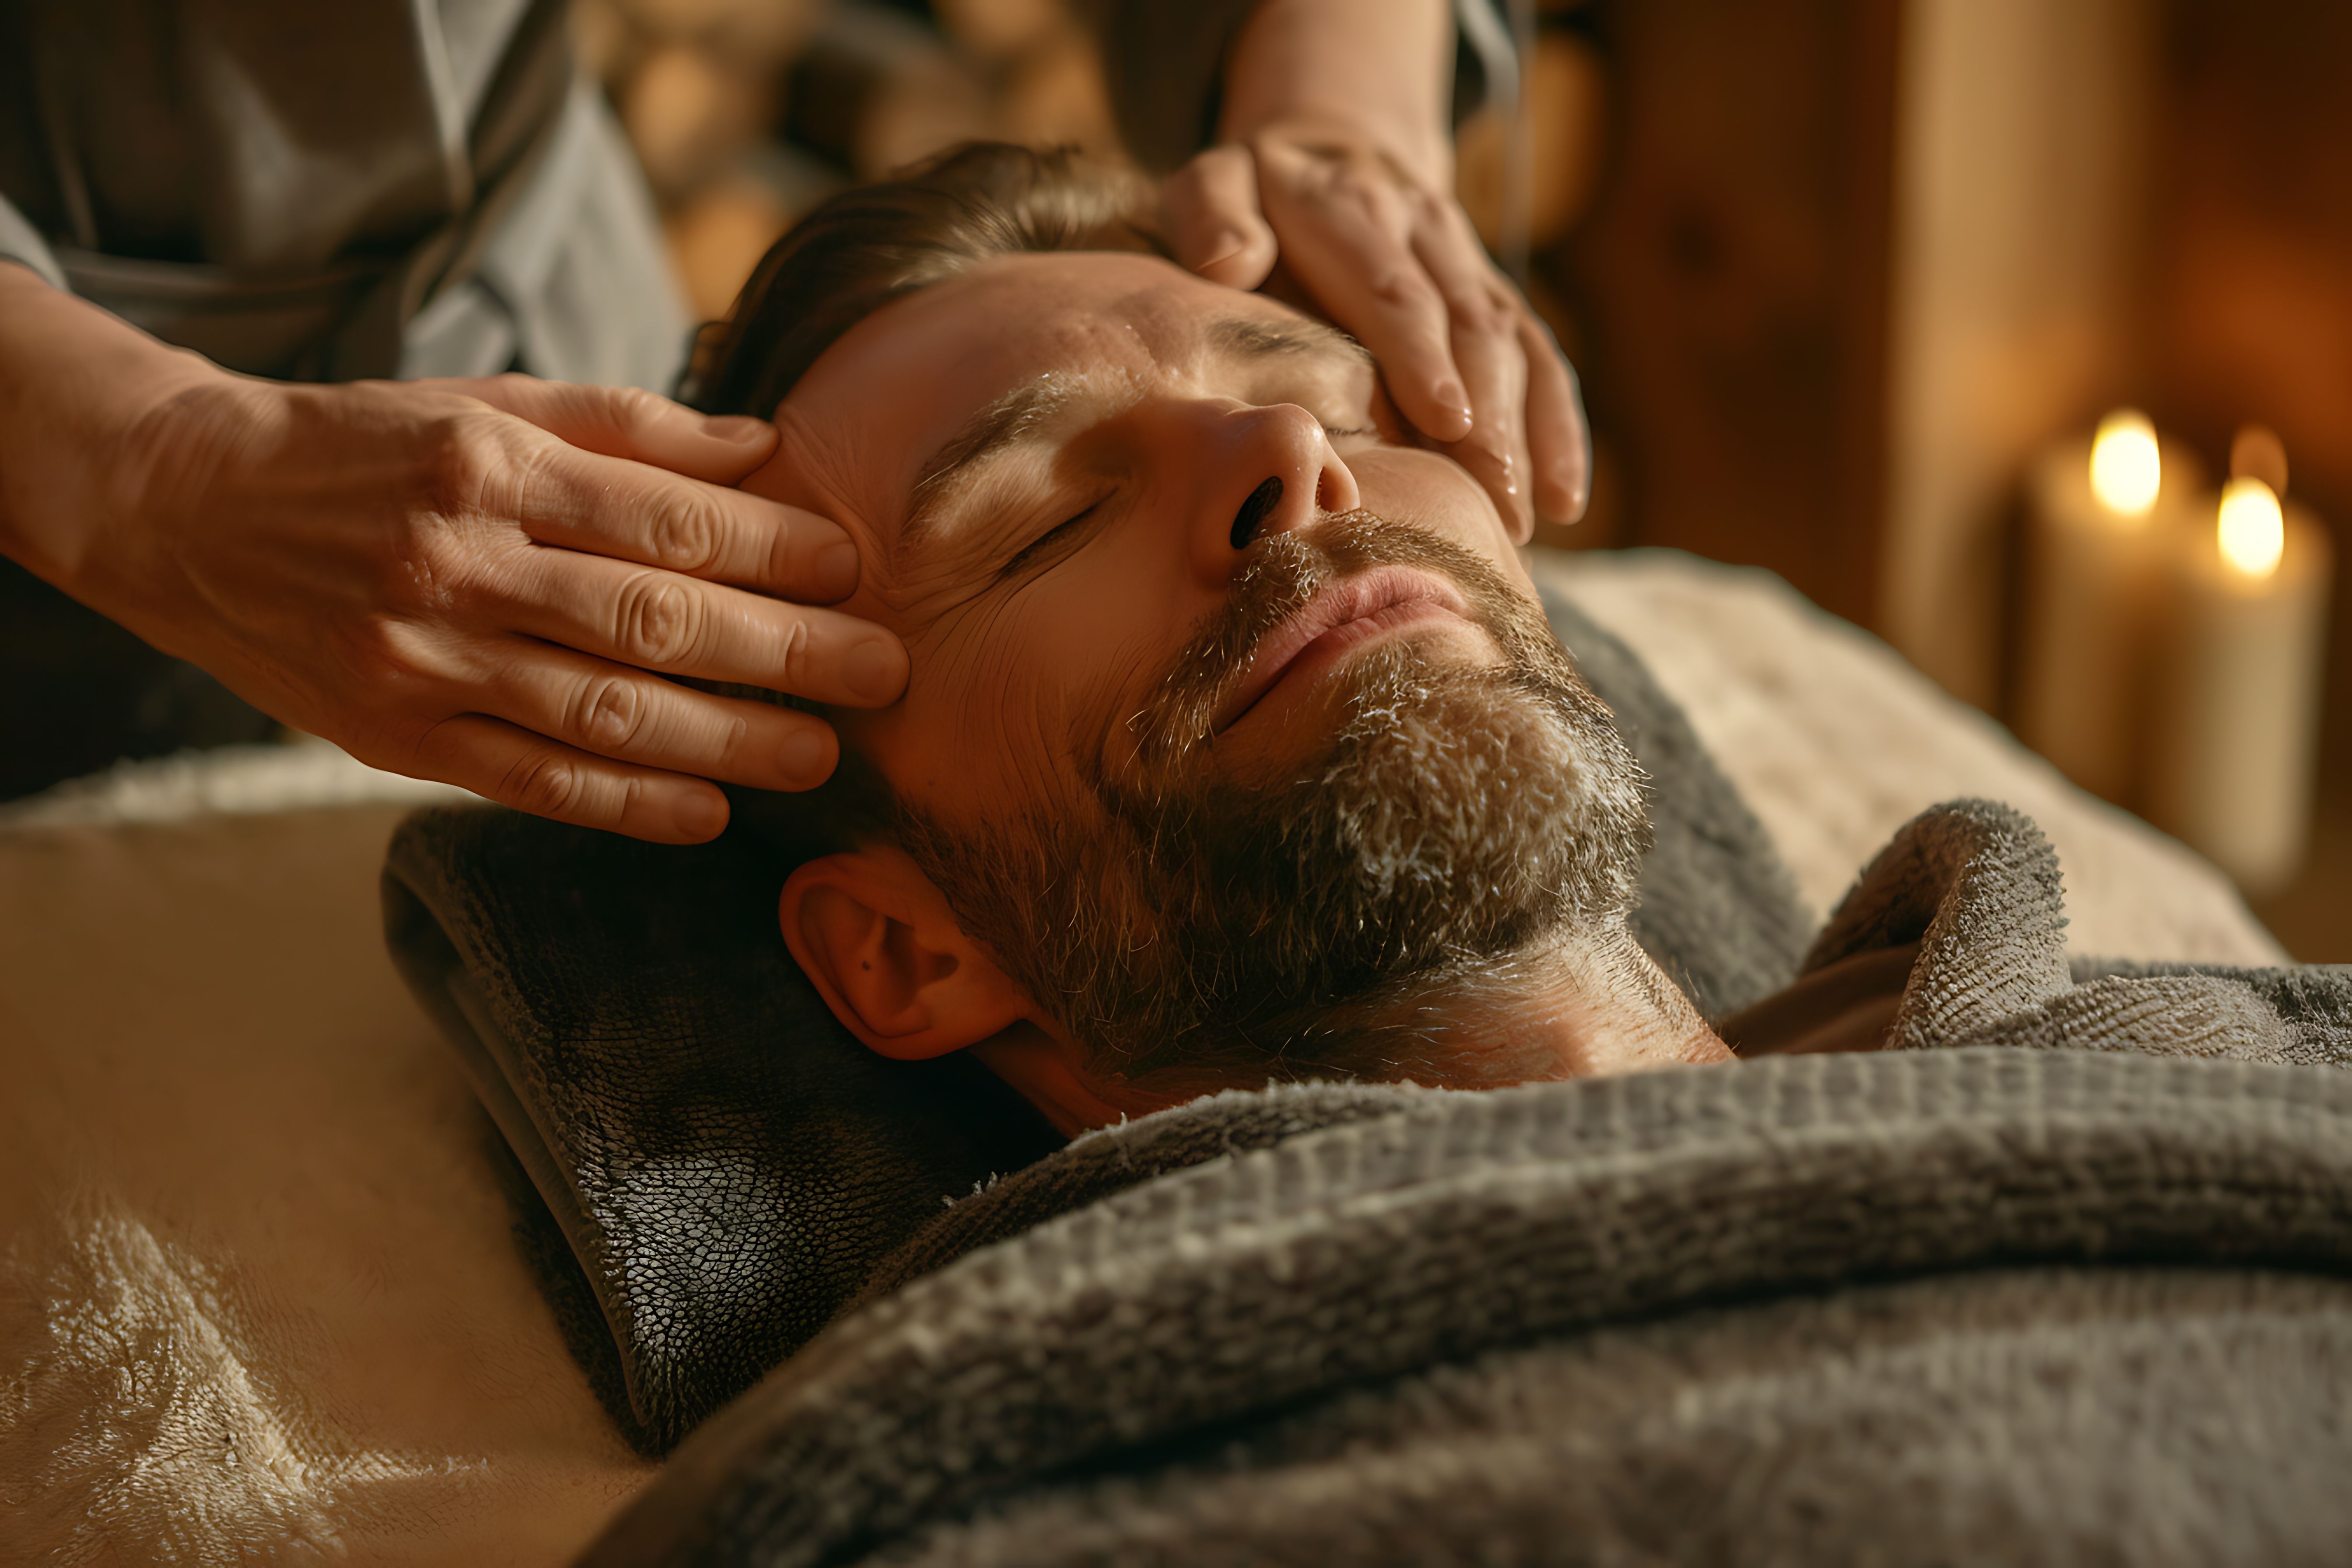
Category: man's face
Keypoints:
(1225, 702)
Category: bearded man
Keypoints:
(1236, 746)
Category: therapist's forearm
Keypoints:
(481, 582)
(75, 384)
(1381, 70)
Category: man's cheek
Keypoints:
(1434, 491)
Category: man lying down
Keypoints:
(1236, 744)
(1237, 749)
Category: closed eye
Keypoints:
(1060, 534)
(1044, 544)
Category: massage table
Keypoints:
(261, 1293)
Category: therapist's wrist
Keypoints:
(1374, 74)
(82, 393)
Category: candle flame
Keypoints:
(2253, 530)
(2127, 469)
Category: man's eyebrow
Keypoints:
(1000, 425)
(1263, 338)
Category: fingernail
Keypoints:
(699, 816)
(1224, 248)
(875, 670)
(836, 570)
(740, 428)
(1564, 495)
(1456, 403)
(807, 760)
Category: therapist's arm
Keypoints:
(464, 581)
(1335, 156)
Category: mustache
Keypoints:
(1283, 576)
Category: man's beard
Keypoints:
(1190, 931)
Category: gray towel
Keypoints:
(1976, 886)
(1665, 1304)
(1959, 1300)
(725, 1164)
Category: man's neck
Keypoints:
(1587, 1009)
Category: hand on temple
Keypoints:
(1334, 160)
(467, 581)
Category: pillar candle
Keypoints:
(2100, 515)
(2235, 708)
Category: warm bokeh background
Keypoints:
(1833, 270)
(748, 112)
(1834, 273)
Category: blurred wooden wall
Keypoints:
(1851, 263)
(1726, 297)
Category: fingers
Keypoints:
(625, 422)
(1346, 226)
(661, 621)
(628, 716)
(1213, 222)
(586, 742)
(638, 478)
(1557, 435)
(610, 507)
(1464, 358)
(1483, 317)
(530, 773)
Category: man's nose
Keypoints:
(1275, 473)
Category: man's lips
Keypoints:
(1350, 613)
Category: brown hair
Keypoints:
(875, 243)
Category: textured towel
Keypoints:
(1266, 1355)
(726, 1167)
(1974, 885)
(1922, 1305)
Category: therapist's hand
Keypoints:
(466, 580)
(1335, 161)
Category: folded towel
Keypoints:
(1975, 1305)
(725, 1160)
(728, 1166)
(1969, 1298)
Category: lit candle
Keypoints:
(2235, 719)
(2101, 514)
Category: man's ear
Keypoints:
(878, 939)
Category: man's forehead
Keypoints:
(932, 378)
(1095, 315)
